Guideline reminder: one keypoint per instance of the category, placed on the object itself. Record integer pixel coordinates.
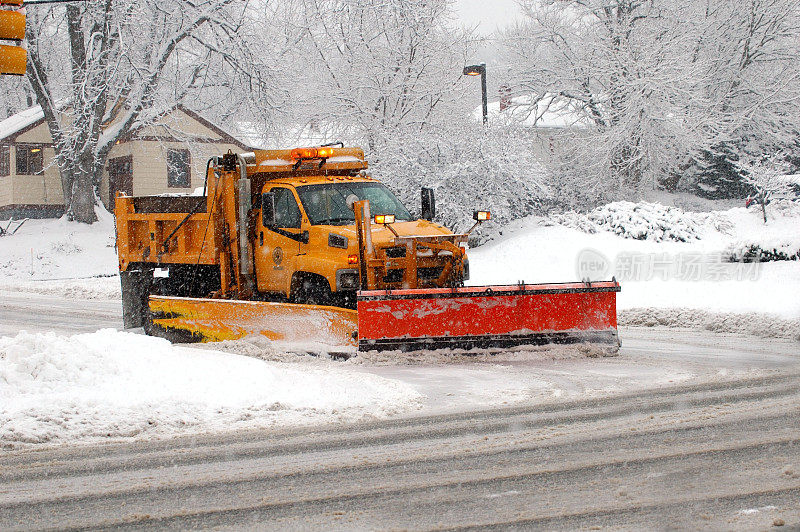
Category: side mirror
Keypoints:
(428, 204)
(268, 209)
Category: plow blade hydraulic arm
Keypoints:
(488, 316)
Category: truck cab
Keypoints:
(306, 247)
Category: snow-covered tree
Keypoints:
(657, 82)
(372, 68)
(102, 68)
(767, 180)
(17, 95)
(470, 167)
(751, 58)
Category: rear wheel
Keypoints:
(136, 284)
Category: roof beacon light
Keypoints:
(384, 219)
(482, 216)
(324, 152)
(304, 153)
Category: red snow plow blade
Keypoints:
(488, 316)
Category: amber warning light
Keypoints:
(384, 218)
(482, 216)
(312, 153)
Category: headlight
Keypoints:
(347, 280)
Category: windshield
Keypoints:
(327, 204)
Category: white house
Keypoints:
(167, 156)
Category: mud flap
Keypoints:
(488, 316)
(183, 319)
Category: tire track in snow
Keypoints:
(689, 445)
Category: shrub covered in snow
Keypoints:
(642, 221)
(763, 251)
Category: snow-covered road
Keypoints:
(46, 374)
(710, 456)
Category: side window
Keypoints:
(287, 213)
(30, 159)
(5, 160)
(178, 169)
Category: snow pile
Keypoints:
(122, 385)
(258, 346)
(320, 354)
(643, 221)
(762, 325)
(59, 249)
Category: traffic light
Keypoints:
(13, 57)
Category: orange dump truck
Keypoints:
(302, 245)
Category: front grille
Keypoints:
(429, 274)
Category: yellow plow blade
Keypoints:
(184, 319)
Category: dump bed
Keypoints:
(164, 230)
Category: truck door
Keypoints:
(277, 247)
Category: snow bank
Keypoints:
(112, 384)
(762, 325)
(102, 288)
(657, 271)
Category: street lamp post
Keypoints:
(480, 70)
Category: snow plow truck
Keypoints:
(303, 245)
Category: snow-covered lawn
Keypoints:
(658, 272)
(112, 384)
(51, 255)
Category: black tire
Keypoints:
(313, 291)
(135, 285)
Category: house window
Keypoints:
(5, 160)
(30, 159)
(178, 172)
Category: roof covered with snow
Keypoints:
(16, 123)
(19, 121)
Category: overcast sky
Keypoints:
(487, 15)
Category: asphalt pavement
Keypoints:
(720, 450)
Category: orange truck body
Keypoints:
(151, 233)
(303, 244)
